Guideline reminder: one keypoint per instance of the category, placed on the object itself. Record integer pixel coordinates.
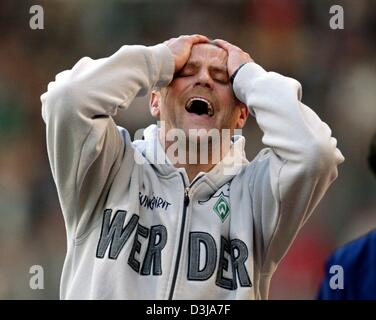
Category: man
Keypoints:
(350, 272)
(141, 228)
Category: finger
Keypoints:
(223, 44)
(221, 41)
(169, 40)
(194, 37)
(187, 36)
(198, 38)
(227, 45)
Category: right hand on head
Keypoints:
(181, 48)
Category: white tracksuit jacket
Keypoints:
(140, 230)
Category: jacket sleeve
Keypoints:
(302, 158)
(84, 145)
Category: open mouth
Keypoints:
(199, 106)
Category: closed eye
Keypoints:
(219, 75)
(221, 80)
(185, 73)
(189, 70)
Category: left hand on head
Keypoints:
(236, 56)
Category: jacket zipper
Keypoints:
(186, 203)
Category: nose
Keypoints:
(204, 79)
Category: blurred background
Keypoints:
(337, 69)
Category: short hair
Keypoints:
(372, 155)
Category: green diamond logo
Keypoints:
(222, 208)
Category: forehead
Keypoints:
(206, 53)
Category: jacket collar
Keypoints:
(152, 150)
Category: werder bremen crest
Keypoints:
(222, 208)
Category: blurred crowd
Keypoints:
(337, 69)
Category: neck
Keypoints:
(193, 156)
(194, 169)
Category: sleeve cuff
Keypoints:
(166, 63)
(244, 79)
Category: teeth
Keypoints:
(210, 107)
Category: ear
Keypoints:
(244, 112)
(154, 103)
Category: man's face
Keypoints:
(200, 96)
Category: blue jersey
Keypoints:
(358, 260)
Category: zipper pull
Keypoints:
(186, 197)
